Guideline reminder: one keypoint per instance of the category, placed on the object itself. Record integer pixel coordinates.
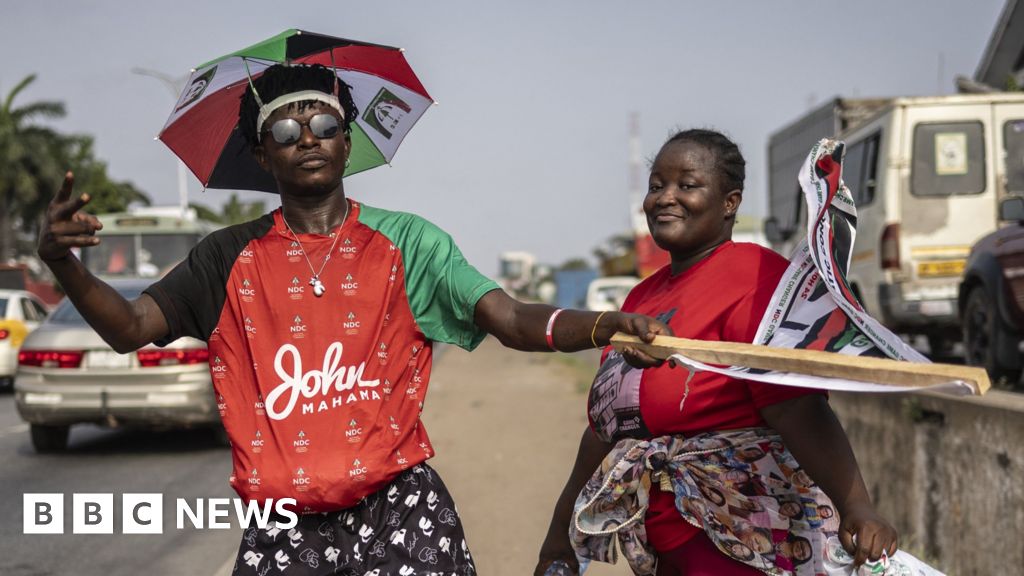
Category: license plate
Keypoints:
(941, 268)
(36, 398)
(108, 359)
(936, 308)
(166, 398)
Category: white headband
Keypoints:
(267, 109)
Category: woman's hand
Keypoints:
(65, 227)
(554, 551)
(643, 327)
(865, 534)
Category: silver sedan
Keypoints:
(68, 375)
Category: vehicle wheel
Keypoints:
(49, 439)
(220, 436)
(939, 346)
(980, 326)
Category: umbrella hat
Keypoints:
(203, 126)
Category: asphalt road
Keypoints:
(177, 464)
(506, 514)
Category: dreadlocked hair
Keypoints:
(729, 162)
(281, 79)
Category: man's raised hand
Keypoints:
(66, 226)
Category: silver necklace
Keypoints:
(314, 280)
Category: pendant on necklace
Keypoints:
(318, 286)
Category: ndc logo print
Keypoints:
(246, 291)
(296, 289)
(197, 88)
(347, 250)
(385, 112)
(349, 286)
(254, 480)
(354, 432)
(358, 471)
(301, 444)
(351, 325)
(298, 329)
(257, 443)
(219, 368)
(301, 481)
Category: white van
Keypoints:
(927, 175)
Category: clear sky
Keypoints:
(528, 147)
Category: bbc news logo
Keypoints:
(144, 513)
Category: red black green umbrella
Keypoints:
(202, 127)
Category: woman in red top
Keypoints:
(713, 289)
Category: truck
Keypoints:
(927, 175)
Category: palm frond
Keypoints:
(45, 109)
(14, 92)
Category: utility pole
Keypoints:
(637, 221)
(174, 86)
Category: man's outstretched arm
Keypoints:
(523, 326)
(124, 324)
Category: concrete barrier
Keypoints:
(948, 472)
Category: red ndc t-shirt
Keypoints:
(722, 297)
(321, 396)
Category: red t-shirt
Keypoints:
(722, 297)
(321, 396)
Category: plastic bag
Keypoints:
(838, 562)
(561, 568)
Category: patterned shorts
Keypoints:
(408, 527)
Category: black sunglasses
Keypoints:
(288, 131)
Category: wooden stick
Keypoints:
(810, 362)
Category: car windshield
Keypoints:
(66, 313)
(3, 307)
(146, 255)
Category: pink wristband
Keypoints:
(549, 332)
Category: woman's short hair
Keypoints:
(732, 168)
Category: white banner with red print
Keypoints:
(814, 306)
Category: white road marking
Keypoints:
(12, 430)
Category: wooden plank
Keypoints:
(811, 362)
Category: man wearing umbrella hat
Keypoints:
(320, 319)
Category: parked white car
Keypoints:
(20, 314)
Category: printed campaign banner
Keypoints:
(814, 307)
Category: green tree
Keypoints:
(204, 212)
(29, 163)
(574, 264)
(33, 161)
(91, 177)
(235, 211)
